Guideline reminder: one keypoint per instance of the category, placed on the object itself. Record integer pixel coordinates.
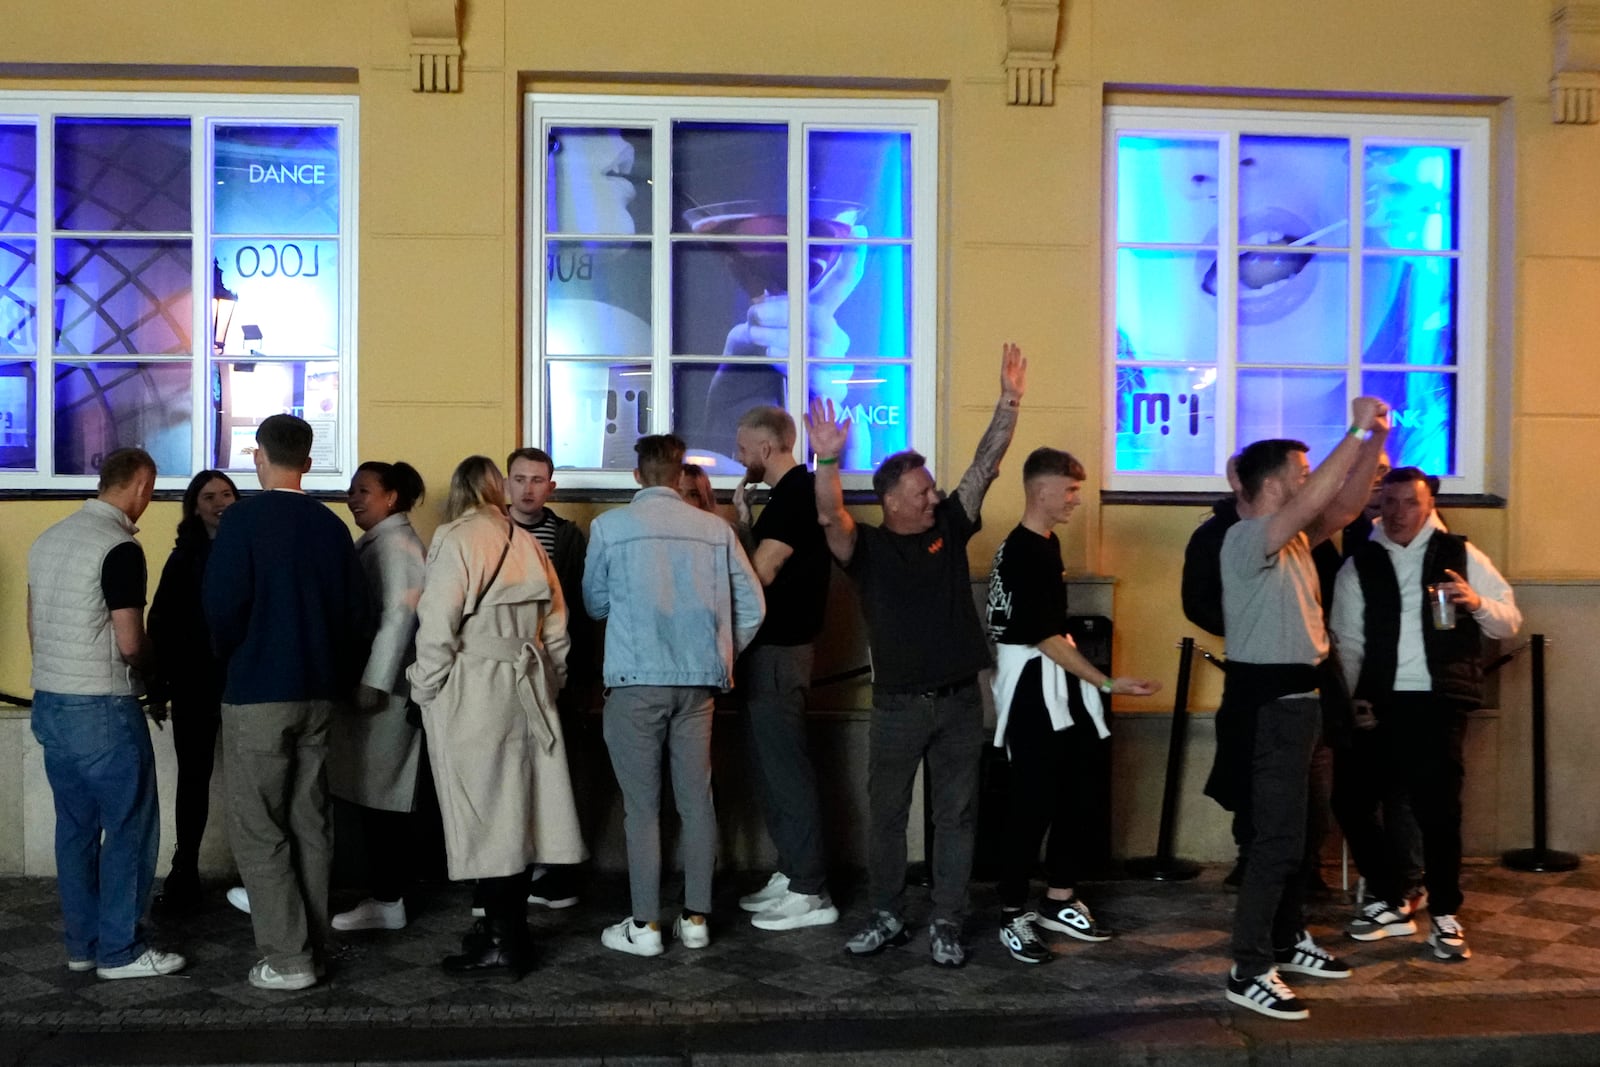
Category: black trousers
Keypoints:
(390, 840)
(195, 724)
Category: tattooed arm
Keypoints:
(997, 438)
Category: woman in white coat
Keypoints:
(491, 656)
(375, 753)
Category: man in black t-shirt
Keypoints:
(790, 555)
(927, 650)
(1054, 745)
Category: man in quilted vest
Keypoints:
(86, 595)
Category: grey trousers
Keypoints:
(948, 730)
(278, 823)
(638, 721)
(776, 678)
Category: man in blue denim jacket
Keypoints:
(681, 601)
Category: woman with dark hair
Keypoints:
(374, 754)
(189, 674)
(694, 485)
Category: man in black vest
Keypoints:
(1416, 670)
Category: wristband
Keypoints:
(827, 461)
(1354, 430)
(1107, 686)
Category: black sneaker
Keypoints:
(1021, 939)
(1448, 940)
(1267, 994)
(883, 931)
(1304, 957)
(1379, 919)
(1074, 918)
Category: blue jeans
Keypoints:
(102, 772)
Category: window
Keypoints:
(697, 257)
(1244, 304)
(195, 258)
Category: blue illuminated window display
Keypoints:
(1219, 342)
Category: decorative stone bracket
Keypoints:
(435, 45)
(1031, 28)
(1575, 79)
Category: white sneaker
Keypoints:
(80, 966)
(153, 964)
(795, 910)
(239, 897)
(372, 915)
(262, 976)
(635, 940)
(774, 890)
(692, 930)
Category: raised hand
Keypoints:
(1367, 412)
(827, 436)
(1013, 372)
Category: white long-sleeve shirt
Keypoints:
(1497, 615)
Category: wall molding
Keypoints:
(1030, 64)
(435, 45)
(1575, 64)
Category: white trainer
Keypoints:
(634, 940)
(774, 890)
(262, 976)
(795, 910)
(692, 930)
(239, 897)
(152, 964)
(372, 915)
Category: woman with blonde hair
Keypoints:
(491, 656)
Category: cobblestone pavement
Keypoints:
(1533, 937)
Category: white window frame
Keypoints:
(204, 111)
(918, 117)
(1471, 135)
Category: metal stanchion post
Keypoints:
(1163, 866)
(1539, 857)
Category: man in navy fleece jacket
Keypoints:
(287, 605)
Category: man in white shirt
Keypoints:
(1416, 670)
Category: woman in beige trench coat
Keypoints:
(491, 656)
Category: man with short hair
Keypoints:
(790, 556)
(1053, 728)
(681, 600)
(1271, 715)
(927, 650)
(287, 605)
(1416, 675)
(86, 595)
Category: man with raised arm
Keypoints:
(927, 650)
(1271, 716)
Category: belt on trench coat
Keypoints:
(533, 680)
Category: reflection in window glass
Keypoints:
(288, 296)
(708, 399)
(1408, 309)
(276, 180)
(1307, 406)
(1412, 193)
(598, 180)
(18, 446)
(730, 298)
(1166, 190)
(1300, 311)
(730, 178)
(1424, 418)
(597, 298)
(18, 188)
(596, 411)
(101, 407)
(864, 173)
(860, 301)
(1166, 419)
(123, 297)
(245, 394)
(122, 174)
(1166, 306)
(19, 298)
(875, 398)
(1294, 191)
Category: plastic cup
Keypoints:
(1441, 608)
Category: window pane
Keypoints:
(244, 394)
(1166, 190)
(101, 407)
(122, 174)
(17, 425)
(708, 400)
(123, 297)
(876, 400)
(276, 180)
(19, 298)
(730, 299)
(1293, 307)
(1294, 191)
(1424, 419)
(1307, 406)
(595, 412)
(1408, 306)
(598, 180)
(1412, 195)
(727, 174)
(287, 293)
(860, 301)
(1166, 420)
(862, 176)
(18, 185)
(1167, 306)
(597, 299)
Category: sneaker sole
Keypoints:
(630, 947)
(1072, 931)
(80, 966)
(820, 917)
(1449, 955)
(1266, 1009)
(1313, 972)
(356, 927)
(902, 938)
(1378, 933)
(285, 983)
(558, 904)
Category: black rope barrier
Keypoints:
(1540, 857)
